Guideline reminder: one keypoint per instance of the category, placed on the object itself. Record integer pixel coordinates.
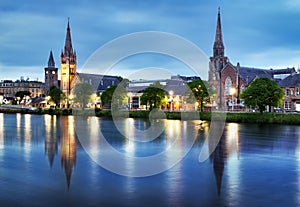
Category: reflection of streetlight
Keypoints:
(232, 92)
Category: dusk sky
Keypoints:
(260, 34)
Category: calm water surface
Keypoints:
(42, 163)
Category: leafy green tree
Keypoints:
(263, 92)
(200, 92)
(154, 95)
(55, 95)
(115, 96)
(21, 94)
(83, 92)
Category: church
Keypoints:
(230, 80)
(69, 75)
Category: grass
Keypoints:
(269, 118)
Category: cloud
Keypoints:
(272, 58)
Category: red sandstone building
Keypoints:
(230, 80)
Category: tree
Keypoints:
(83, 92)
(115, 96)
(200, 91)
(55, 95)
(263, 92)
(21, 94)
(154, 96)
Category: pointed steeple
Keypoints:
(218, 45)
(68, 50)
(51, 63)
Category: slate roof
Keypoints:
(177, 89)
(98, 82)
(136, 89)
(249, 74)
(290, 81)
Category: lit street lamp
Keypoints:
(232, 92)
(171, 93)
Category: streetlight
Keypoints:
(232, 92)
(171, 93)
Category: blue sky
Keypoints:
(263, 34)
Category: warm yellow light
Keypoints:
(232, 91)
(71, 96)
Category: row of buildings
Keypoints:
(227, 79)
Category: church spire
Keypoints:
(218, 45)
(51, 63)
(68, 50)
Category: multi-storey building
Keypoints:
(175, 88)
(68, 65)
(229, 80)
(291, 87)
(51, 74)
(9, 88)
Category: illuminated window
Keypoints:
(297, 93)
(287, 105)
(228, 85)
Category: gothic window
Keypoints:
(214, 76)
(297, 93)
(228, 85)
(242, 87)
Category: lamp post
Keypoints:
(232, 92)
(171, 93)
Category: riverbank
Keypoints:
(269, 118)
(238, 117)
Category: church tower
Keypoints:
(217, 62)
(51, 76)
(67, 65)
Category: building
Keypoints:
(68, 65)
(99, 83)
(291, 87)
(175, 88)
(9, 88)
(229, 80)
(51, 74)
(69, 76)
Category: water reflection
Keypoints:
(218, 158)
(251, 165)
(2, 131)
(67, 146)
(51, 137)
(227, 151)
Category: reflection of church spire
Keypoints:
(51, 149)
(68, 147)
(218, 158)
(51, 144)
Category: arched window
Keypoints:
(242, 87)
(228, 85)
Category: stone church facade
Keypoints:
(69, 75)
(230, 80)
